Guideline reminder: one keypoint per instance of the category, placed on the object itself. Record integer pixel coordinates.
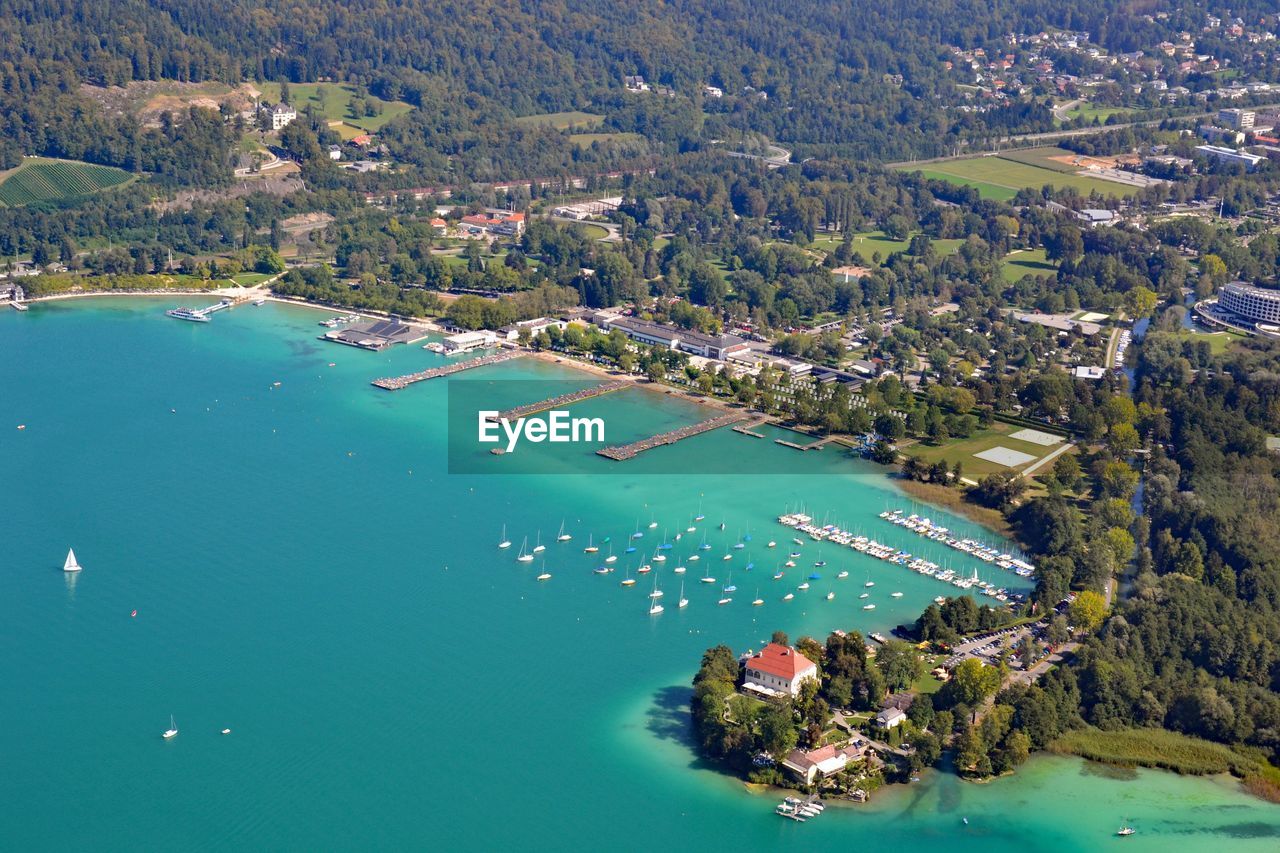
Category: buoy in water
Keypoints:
(133, 614)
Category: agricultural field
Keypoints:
(1001, 177)
(331, 100)
(1089, 112)
(41, 179)
(1022, 262)
(575, 120)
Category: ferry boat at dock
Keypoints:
(189, 314)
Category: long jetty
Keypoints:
(395, 383)
(627, 451)
(564, 399)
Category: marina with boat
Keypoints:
(896, 556)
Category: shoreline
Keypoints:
(636, 381)
(952, 500)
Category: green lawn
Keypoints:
(1026, 262)
(331, 100)
(1089, 112)
(870, 242)
(1001, 177)
(962, 449)
(575, 120)
(995, 192)
(1218, 341)
(593, 231)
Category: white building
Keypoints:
(467, 341)
(281, 115)
(1237, 118)
(777, 669)
(1229, 155)
(827, 760)
(1251, 303)
(535, 327)
(890, 718)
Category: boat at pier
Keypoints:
(189, 314)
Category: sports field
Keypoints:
(1000, 178)
(987, 451)
(41, 179)
(1022, 262)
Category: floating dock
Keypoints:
(627, 451)
(395, 383)
(750, 429)
(813, 445)
(564, 399)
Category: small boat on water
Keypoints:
(778, 576)
(656, 608)
(591, 546)
(539, 548)
(831, 596)
(865, 595)
(524, 557)
(562, 536)
(797, 540)
(694, 558)
(226, 731)
(869, 583)
(70, 564)
(602, 570)
(678, 570)
(758, 600)
(895, 595)
(725, 600)
(771, 544)
(868, 607)
(790, 564)
(644, 570)
(728, 556)
(684, 602)
(628, 580)
(1125, 830)
(545, 576)
(842, 575)
(804, 585)
(659, 558)
(172, 731)
(788, 596)
(504, 542)
(708, 579)
(612, 558)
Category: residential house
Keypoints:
(827, 760)
(494, 222)
(889, 718)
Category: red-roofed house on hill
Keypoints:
(776, 670)
(507, 224)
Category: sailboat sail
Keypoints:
(71, 565)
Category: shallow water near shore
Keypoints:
(306, 573)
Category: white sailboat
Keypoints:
(71, 565)
(172, 731)
(612, 558)
(591, 546)
(524, 557)
(539, 547)
(684, 602)
(504, 542)
(562, 536)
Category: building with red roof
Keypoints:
(777, 669)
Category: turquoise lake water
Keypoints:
(306, 573)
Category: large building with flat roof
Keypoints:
(686, 340)
(1256, 304)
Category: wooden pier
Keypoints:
(815, 445)
(627, 451)
(750, 429)
(564, 399)
(395, 383)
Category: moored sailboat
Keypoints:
(70, 565)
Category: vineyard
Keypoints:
(50, 180)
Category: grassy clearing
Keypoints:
(1219, 342)
(331, 100)
(575, 120)
(593, 231)
(1026, 262)
(584, 140)
(1160, 748)
(1089, 112)
(986, 173)
(43, 179)
(953, 500)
